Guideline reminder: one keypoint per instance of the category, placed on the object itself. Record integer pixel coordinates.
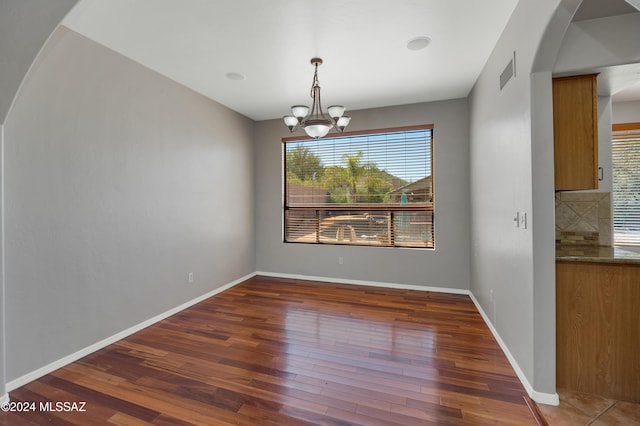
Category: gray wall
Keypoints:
(118, 183)
(447, 266)
(512, 170)
(505, 179)
(626, 112)
(25, 25)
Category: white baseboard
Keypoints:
(4, 398)
(368, 283)
(539, 397)
(29, 377)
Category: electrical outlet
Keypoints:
(340, 260)
(491, 295)
(190, 277)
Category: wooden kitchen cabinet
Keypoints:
(575, 132)
(598, 329)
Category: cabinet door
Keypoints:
(575, 125)
(598, 329)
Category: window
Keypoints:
(625, 157)
(370, 189)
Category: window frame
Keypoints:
(390, 208)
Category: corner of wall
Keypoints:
(539, 397)
(32, 23)
(4, 398)
(33, 30)
(68, 359)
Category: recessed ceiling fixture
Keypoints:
(418, 43)
(235, 76)
(315, 123)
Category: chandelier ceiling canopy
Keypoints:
(314, 122)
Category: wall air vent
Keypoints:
(509, 72)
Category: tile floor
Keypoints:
(582, 409)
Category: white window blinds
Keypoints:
(626, 187)
(372, 188)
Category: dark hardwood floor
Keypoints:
(288, 352)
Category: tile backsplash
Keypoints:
(583, 218)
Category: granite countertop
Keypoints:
(601, 254)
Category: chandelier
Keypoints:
(315, 123)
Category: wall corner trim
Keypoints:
(539, 397)
(363, 282)
(29, 377)
(4, 398)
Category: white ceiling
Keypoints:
(362, 42)
(270, 42)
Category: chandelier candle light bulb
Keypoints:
(314, 122)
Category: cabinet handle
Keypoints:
(600, 174)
